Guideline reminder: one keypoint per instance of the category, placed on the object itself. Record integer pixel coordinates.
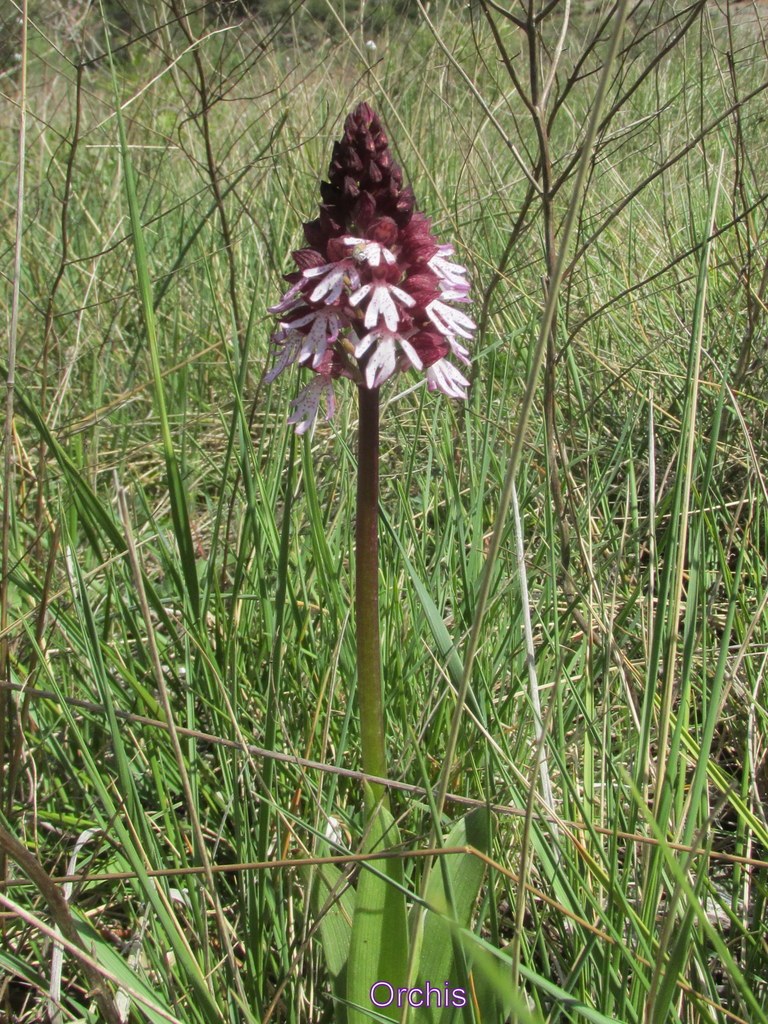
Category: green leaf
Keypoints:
(332, 902)
(379, 943)
(145, 999)
(451, 894)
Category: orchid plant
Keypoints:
(374, 294)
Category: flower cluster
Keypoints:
(374, 291)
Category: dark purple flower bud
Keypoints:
(337, 249)
(383, 230)
(363, 211)
(424, 288)
(373, 290)
(305, 258)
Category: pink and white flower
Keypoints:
(335, 279)
(307, 404)
(381, 303)
(373, 290)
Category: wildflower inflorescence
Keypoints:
(374, 291)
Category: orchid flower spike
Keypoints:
(374, 293)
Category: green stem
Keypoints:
(369, 693)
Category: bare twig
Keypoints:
(62, 916)
(214, 174)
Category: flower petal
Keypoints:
(382, 304)
(357, 297)
(451, 273)
(411, 354)
(403, 296)
(334, 277)
(382, 363)
(461, 353)
(288, 301)
(289, 353)
(307, 404)
(449, 320)
(323, 332)
(443, 376)
(363, 344)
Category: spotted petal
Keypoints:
(382, 363)
(450, 321)
(443, 376)
(289, 352)
(307, 404)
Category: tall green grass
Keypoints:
(180, 581)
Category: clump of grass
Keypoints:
(642, 499)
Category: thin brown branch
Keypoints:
(621, 101)
(62, 916)
(214, 174)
